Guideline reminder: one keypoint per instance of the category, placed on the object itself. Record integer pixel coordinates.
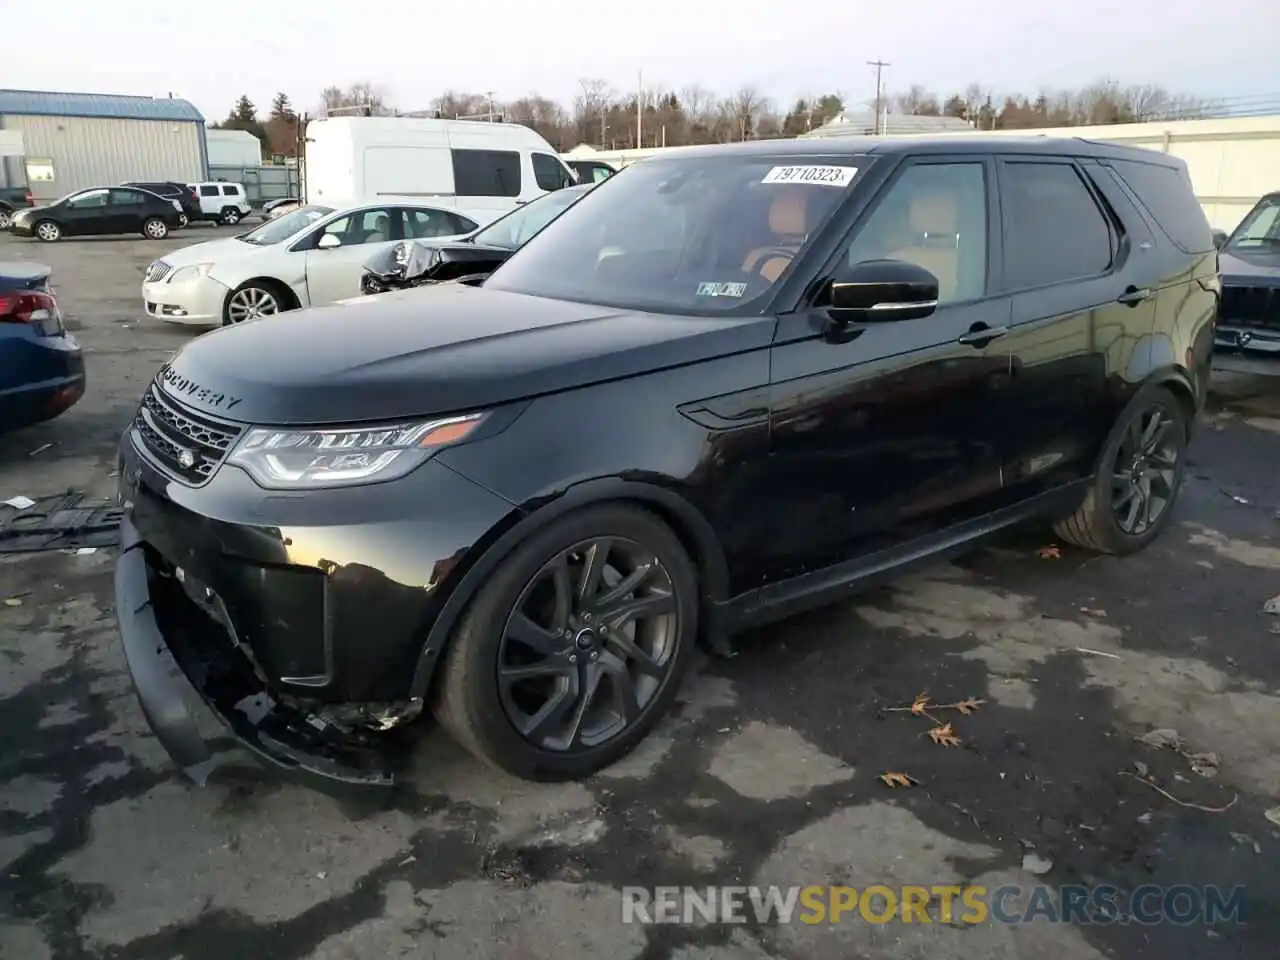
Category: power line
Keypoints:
(879, 65)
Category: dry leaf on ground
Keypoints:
(944, 736)
(1049, 553)
(921, 703)
(898, 780)
(968, 705)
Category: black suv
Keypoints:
(1248, 336)
(172, 190)
(729, 385)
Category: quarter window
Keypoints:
(231, 190)
(427, 224)
(486, 173)
(1055, 230)
(127, 198)
(935, 216)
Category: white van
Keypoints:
(482, 170)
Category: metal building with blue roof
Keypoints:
(60, 142)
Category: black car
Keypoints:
(733, 384)
(100, 211)
(1248, 335)
(173, 190)
(415, 263)
(13, 199)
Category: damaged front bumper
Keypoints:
(183, 661)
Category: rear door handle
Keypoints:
(1134, 296)
(979, 335)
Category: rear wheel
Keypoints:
(231, 216)
(574, 647)
(48, 231)
(183, 220)
(1139, 476)
(155, 229)
(6, 218)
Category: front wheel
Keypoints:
(253, 301)
(155, 229)
(1139, 476)
(48, 231)
(574, 647)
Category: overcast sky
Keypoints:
(211, 53)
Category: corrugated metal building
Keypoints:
(77, 140)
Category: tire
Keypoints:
(6, 218)
(254, 300)
(481, 712)
(231, 216)
(153, 228)
(1101, 524)
(48, 231)
(183, 220)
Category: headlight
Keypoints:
(402, 254)
(282, 459)
(193, 272)
(21, 217)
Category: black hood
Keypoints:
(1254, 268)
(434, 350)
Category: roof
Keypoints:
(831, 147)
(99, 105)
(860, 124)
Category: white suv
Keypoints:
(222, 202)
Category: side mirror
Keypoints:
(328, 241)
(875, 291)
(1220, 239)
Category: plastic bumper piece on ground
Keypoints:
(173, 683)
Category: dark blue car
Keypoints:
(41, 367)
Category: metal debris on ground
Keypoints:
(60, 522)
(1035, 864)
(1245, 840)
(1272, 606)
(1273, 815)
(40, 449)
(20, 502)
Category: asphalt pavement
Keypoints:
(769, 772)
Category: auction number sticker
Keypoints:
(709, 288)
(825, 176)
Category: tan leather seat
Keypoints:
(935, 221)
(381, 231)
(789, 224)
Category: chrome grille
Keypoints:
(185, 445)
(157, 271)
(1250, 306)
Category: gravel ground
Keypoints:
(767, 774)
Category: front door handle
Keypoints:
(1134, 296)
(979, 335)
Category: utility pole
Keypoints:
(639, 107)
(879, 65)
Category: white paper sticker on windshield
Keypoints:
(709, 288)
(824, 176)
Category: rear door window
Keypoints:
(231, 190)
(549, 173)
(1054, 229)
(1167, 194)
(209, 191)
(486, 173)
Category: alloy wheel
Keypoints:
(156, 230)
(1145, 475)
(5, 219)
(251, 303)
(48, 231)
(183, 220)
(588, 645)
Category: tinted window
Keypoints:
(486, 173)
(90, 200)
(1167, 194)
(1055, 229)
(426, 224)
(935, 216)
(701, 235)
(549, 173)
(365, 226)
(1260, 227)
(518, 226)
(127, 198)
(208, 191)
(231, 190)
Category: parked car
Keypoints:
(306, 258)
(591, 171)
(100, 211)
(12, 199)
(1248, 334)
(41, 367)
(737, 382)
(277, 208)
(481, 170)
(172, 190)
(222, 202)
(415, 263)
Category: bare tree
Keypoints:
(745, 108)
(363, 97)
(590, 110)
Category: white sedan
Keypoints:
(309, 257)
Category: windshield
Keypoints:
(282, 228)
(517, 227)
(697, 235)
(1261, 228)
